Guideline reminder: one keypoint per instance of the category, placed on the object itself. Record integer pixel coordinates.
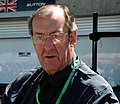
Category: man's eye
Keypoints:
(55, 35)
(39, 37)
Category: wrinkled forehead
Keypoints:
(41, 22)
(53, 16)
(51, 24)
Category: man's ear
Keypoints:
(73, 38)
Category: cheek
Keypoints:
(39, 51)
(62, 52)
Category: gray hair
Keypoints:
(44, 11)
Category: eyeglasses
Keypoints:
(56, 37)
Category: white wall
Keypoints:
(11, 63)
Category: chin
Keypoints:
(51, 71)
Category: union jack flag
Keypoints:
(8, 5)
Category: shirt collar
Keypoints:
(58, 79)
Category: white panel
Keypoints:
(11, 60)
(105, 24)
(9, 29)
(13, 29)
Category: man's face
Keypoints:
(53, 57)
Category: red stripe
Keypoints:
(6, 5)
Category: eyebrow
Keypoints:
(38, 33)
(49, 33)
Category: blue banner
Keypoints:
(22, 5)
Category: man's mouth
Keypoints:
(50, 57)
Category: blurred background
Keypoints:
(16, 49)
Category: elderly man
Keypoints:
(63, 77)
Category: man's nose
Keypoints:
(48, 43)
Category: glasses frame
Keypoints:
(56, 37)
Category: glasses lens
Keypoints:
(55, 37)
